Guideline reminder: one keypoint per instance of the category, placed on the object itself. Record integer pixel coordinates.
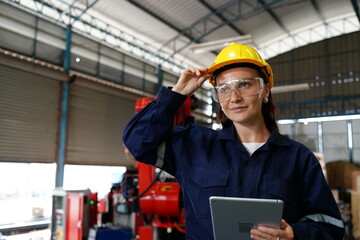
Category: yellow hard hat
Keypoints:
(240, 53)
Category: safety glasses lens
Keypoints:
(244, 87)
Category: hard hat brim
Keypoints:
(217, 66)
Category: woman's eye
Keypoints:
(242, 84)
(223, 89)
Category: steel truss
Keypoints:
(167, 55)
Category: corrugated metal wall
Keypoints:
(96, 122)
(28, 116)
(331, 68)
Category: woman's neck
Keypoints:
(252, 133)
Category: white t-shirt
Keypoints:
(252, 147)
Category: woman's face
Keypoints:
(239, 104)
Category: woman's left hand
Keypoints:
(284, 233)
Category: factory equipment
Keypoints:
(150, 203)
(74, 212)
(148, 200)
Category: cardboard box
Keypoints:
(38, 212)
(355, 212)
(356, 181)
(339, 174)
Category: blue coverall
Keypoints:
(207, 163)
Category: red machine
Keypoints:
(160, 213)
(153, 208)
(74, 212)
(161, 199)
(182, 117)
(163, 203)
(147, 200)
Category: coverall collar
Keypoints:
(229, 133)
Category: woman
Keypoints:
(246, 158)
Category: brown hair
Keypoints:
(269, 110)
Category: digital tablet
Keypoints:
(233, 218)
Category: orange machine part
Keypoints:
(141, 103)
(162, 199)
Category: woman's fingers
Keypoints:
(284, 233)
(191, 79)
(196, 71)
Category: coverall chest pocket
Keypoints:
(286, 190)
(282, 188)
(203, 183)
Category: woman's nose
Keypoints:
(235, 95)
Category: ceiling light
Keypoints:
(286, 121)
(330, 118)
(219, 44)
(320, 119)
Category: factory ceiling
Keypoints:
(165, 32)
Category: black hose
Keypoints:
(148, 187)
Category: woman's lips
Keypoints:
(238, 109)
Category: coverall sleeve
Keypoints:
(148, 130)
(321, 219)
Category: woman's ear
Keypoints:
(266, 90)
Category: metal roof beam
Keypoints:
(164, 21)
(97, 29)
(317, 9)
(211, 9)
(87, 7)
(210, 22)
(355, 5)
(273, 16)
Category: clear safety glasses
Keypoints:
(244, 87)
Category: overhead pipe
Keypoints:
(290, 88)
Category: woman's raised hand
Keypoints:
(190, 80)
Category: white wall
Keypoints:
(356, 139)
(334, 137)
(335, 141)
